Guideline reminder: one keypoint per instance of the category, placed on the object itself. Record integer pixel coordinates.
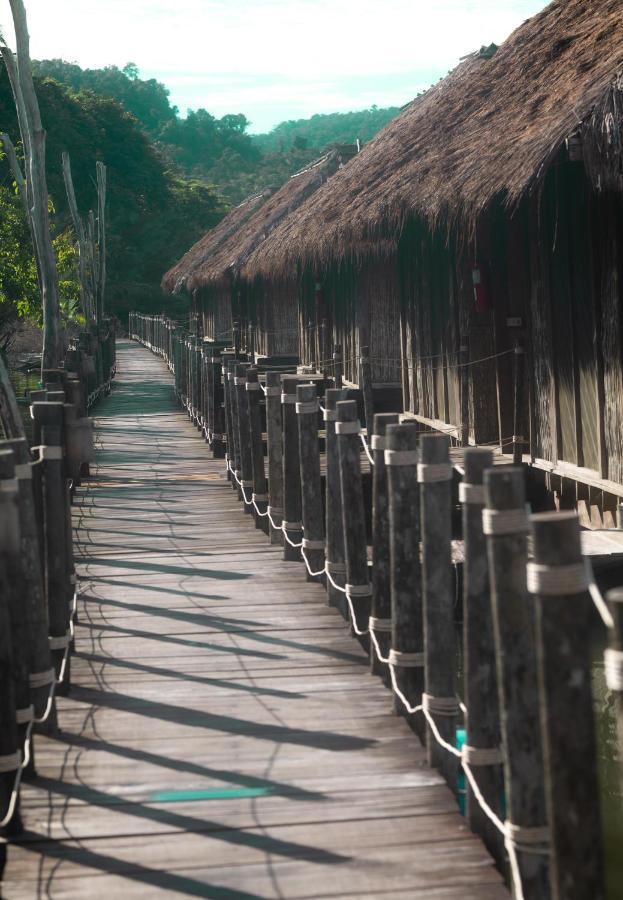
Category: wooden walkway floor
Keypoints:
(223, 737)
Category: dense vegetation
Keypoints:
(169, 178)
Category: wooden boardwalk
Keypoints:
(223, 737)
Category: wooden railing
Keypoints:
(37, 575)
(522, 733)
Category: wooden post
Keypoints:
(336, 565)
(358, 587)
(274, 439)
(563, 615)
(217, 405)
(14, 589)
(407, 653)
(34, 596)
(260, 486)
(233, 418)
(337, 365)
(435, 478)
(381, 611)
(482, 719)
(614, 661)
(518, 436)
(505, 523)
(50, 418)
(244, 435)
(311, 490)
(229, 433)
(365, 377)
(9, 738)
(292, 501)
(464, 385)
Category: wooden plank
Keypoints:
(223, 737)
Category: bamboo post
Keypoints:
(311, 488)
(274, 440)
(292, 500)
(381, 611)
(435, 478)
(518, 401)
(358, 587)
(407, 651)
(260, 486)
(9, 738)
(244, 435)
(482, 719)
(365, 376)
(505, 523)
(337, 365)
(559, 582)
(50, 418)
(34, 596)
(335, 564)
(613, 661)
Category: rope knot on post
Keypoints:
(505, 521)
(472, 493)
(400, 659)
(555, 581)
(481, 756)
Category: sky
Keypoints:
(274, 59)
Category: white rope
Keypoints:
(309, 544)
(23, 471)
(378, 442)
(307, 406)
(556, 581)
(288, 399)
(329, 415)
(366, 448)
(252, 385)
(505, 521)
(441, 706)
(472, 493)
(613, 665)
(431, 473)
(347, 427)
(383, 626)
(401, 457)
(403, 660)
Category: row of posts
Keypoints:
(37, 574)
(526, 719)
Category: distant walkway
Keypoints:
(223, 738)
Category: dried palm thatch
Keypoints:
(491, 128)
(176, 278)
(228, 256)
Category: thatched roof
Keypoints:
(491, 128)
(175, 279)
(232, 254)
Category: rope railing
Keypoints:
(411, 469)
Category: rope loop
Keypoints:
(309, 544)
(402, 457)
(432, 473)
(307, 406)
(613, 664)
(505, 521)
(472, 494)
(347, 427)
(441, 706)
(381, 625)
(481, 756)
(358, 590)
(403, 660)
(378, 442)
(556, 581)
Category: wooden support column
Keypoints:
(336, 565)
(34, 595)
(260, 486)
(244, 434)
(358, 587)
(435, 475)
(292, 501)
(506, 526)
(518, 404)
(614, 661)
(311, 490)
(49, 416)
(219, 430)
(564, 611)
(365, 375)
(407, 651)
(381, 611)
(234, 457)
(274, 439)
(482, 719)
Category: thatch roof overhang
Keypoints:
(175, 280)
(230, 255)
(491, 129)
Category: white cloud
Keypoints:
(295, 41)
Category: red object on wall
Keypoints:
(480, 281)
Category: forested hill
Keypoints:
(218, 151)
(324, 129)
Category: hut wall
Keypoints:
(276, 317)
(214, 308)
